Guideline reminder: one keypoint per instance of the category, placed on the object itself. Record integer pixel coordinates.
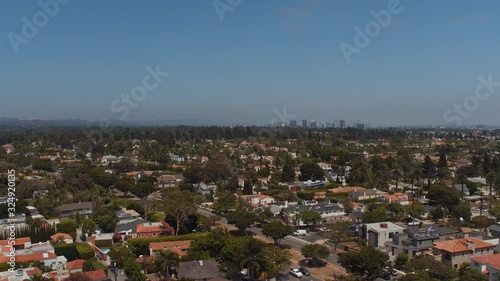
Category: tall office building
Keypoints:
(342, 124)
(314, 124)
(304, 123)
(293, 124)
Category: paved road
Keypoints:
(295, 243)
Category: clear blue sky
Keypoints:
(264, 54)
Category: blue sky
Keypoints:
(262, 55)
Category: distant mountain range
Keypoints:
(33, 122)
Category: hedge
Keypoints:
(74, 251)
(96, 265)
(85, 251)
(140, 246)
(67, 250)
(103, 243)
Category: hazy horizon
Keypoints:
(253, 63)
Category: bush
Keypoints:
(85, 251)
(103, 243)
(67, 250)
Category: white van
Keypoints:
(300, 232)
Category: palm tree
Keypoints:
(40, 277)
(165, 260)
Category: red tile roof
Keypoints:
(60, 234)
(76, 264)
(460, 245)
(30, 257)
(492, 260)
(96, 275)
(17, 242)
(178, 247)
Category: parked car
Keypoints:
(300, 232)
(413, 223)
(295, 272)
(304, 271)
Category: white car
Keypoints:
(413, 223)
(295, 272)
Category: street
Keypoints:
(295, 243)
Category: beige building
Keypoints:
(455, 252)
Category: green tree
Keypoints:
(277, 231)
(401, 260)
(367, 262)
(339, 232)
(143, 189)
(119, 253)
(315, 252)
(226, 201)
(180, 205)
(347, 203)
(124, 186)
(434, 268)
(288, 174)
(166, 261)
(241, 218)
(309, 217)
(88, 226)
(311, 171)
(67, 226)
(437, 213)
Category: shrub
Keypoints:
(85, 251)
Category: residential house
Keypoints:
(153, 229)
(8, 148)
(455, 252)
(329, 213)
(179, 247)
(378, 234)
(82, 208)
(128, 229)
(258, 200)
(109, 159)
(484, 264)
(20, 243)
(62, 237)
(365, 194)
(75, 266)
(20, 274)
(165, 181)
(398, 197)
(418, 242)
(126, 216)
(96, 275)
(205, 189)
(465, 189)
(202, 270)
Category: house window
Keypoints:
(154, 234)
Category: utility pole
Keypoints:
(481, 206)
(462, 180)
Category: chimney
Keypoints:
(471, 246)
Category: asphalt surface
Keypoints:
(293, 242)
